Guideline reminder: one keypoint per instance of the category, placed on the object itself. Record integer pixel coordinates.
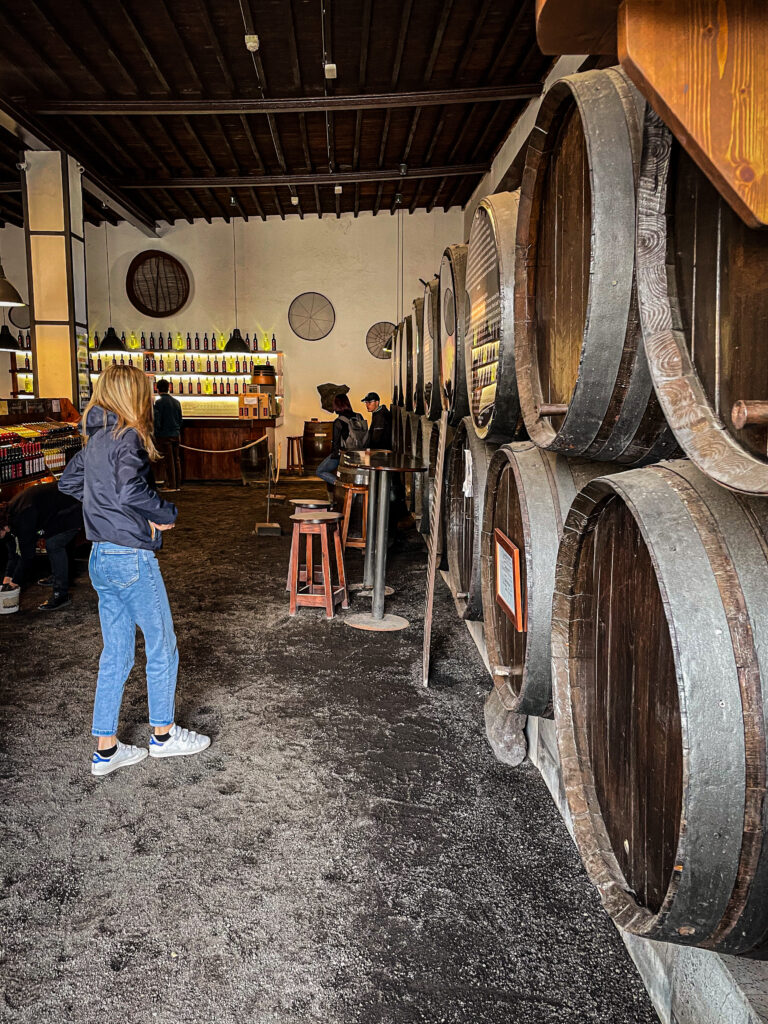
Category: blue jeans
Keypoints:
(327, 469)
(132, 593)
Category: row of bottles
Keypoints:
(205, 386)
(169, 342)
(20, 460)
(57, 458)
(24, 341)
(151, 363)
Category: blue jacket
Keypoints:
(113, 479)
(168, 417)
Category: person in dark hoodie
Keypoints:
(125, 519)
(350, 432)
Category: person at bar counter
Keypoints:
(380, 433)
(350, 432)
(168, 423)
(125, 520)
(40, 511)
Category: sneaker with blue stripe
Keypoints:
(122, 757)
(179, 743)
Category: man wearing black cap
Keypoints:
(380, 433)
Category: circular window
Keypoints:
(157, 284)
(449, 315)
(311, 316)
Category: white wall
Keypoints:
(351, 260)
(14, 262)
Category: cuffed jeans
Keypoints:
(132, 593)
(327, 469)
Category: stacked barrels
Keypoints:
(613, 318)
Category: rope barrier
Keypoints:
(223, 451)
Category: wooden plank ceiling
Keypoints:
(164, 106)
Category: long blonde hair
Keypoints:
(125, 391)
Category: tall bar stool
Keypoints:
(306, 505)
(353, 491)
(295, 457)
(308, 593)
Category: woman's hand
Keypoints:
(161, 526)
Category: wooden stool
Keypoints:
(307, 505)
(295, 463)
(307, 593)
(353, 490)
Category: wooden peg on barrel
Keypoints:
(551, 409)
(748, 414)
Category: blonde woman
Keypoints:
(125, 519)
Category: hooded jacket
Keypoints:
(112, 477)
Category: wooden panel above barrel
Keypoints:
(703, 292)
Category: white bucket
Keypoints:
(9, 601)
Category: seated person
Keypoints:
(350, 432)
(380, 434)
(40, 511)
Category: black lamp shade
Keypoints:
(236, 343)
(110, 342)
(7, 341)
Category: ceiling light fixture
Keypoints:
(236, 342)
(330, 70)
(295, 200)
(337, 189)
(7, 341)
(251, 42)
(110, 342)
(8, 294)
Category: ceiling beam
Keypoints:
(272, 180)
(287, 104)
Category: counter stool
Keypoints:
(295, 463)
(307, 505)
(353, 491)
(307, 593)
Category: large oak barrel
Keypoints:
(318, 437)
(490, 320)
(406, 365)
(431, 343)
(397, 428)
(421, 481)
(528, 493)
(417, 319)
(453, 302)
(395, 365)
(582, 375)
(703, 291)
(659, 658)
(410, 433)
(465, 494)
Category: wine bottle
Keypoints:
(122, 361)
(214, 386)
(205, 342)
(143, 342)
(160, 342)
(162, 365)
(208, 365)
(237, 388)
(199, 387)
(28, 340)
(229, 389)
(197, 341)
(184, 364)
(237, 364)
(154, 364)
(274, 342)
(176, 365)
(22, 343)
(152, 340)
(247, 341)
(215, 364)
(170, 386)
(98, 364)
(189, 342)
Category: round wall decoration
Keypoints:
(19, 317)
(311, 316)
(157, 284)
(378, 340)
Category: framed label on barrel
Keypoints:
(508, 591)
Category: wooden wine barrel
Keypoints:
(703, 292)
(318, 437)
(431, 344)
(410, 423)
(421, 483)
(660, 666)
(469, 459)
(349, 473)
(395, 366)
(406, 368)
(582, 376)
(417, 319)
(528, 493)
(489, 341)
(453, 379)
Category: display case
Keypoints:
(37, 440)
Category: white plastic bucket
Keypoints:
(9, 601)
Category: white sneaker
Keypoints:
(123, 756)
(182, 741)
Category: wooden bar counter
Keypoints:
(220, 434)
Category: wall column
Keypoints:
(53, 228)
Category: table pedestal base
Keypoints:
(387, 624)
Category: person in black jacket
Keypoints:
(380, 435)
(125, 519)
(168, 424)
(41, 511)
(346, 421)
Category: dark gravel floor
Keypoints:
(348, 850)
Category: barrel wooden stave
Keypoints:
(699, 264)
(417, 319)
(431, 343)
(316, 442)
(465, 518)
(686, 715)
(433, 447)
(489, 332)
(421, 484)
(406, 372)
(578, 345)
(453, 380)
(410, 437)
(528, 494)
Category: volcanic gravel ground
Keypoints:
(347, 850)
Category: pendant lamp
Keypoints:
(7, 341)
(8, 294)
(110, 342)
(236, 342)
